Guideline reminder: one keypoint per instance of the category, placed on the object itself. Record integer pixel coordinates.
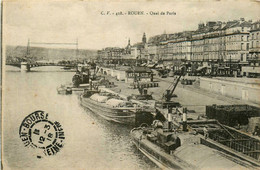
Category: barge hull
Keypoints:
(116, 115)
(157, 155)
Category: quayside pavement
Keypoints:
(196, 88)
(190, 96)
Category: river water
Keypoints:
(90, 142)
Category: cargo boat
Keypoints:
(112, 107)
(81, 77)
(63, 89)
(183, 146)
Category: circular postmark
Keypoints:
(38, 132)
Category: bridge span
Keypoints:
(26, 66)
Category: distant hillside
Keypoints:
(41, 53)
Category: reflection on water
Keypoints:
(91, 142)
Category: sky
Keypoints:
(67, 21)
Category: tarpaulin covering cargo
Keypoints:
(116, 102)
(98, 98)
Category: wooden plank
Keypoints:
(255, 151)
(226, 130)
(228, 140)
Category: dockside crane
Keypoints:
(168, 94)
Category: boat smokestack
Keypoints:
(90, 84)
(169, 117)
(145, 92)
(184, 119)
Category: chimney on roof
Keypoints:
(167, 36)
(200, 26)
(211, 24)
(164, 32)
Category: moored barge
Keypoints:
(173, 145)
(114, 108)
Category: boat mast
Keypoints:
(28, 48)
(77, 49)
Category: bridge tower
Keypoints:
(26, 64)
(25, 67)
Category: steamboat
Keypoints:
(197, 144)
(80, 80)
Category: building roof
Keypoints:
(139, 45)
(255, 26)
(236, 23)
(139, 69)
(157, 39)
(240, 24)
(164, 37)
(123, 68)
(180, 35)
(245, 24)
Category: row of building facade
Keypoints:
(233, 41)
